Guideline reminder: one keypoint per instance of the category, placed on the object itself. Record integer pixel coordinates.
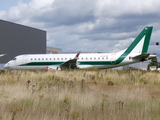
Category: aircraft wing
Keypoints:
(2, 55)
(71, 63)
(141, 57)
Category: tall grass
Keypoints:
(80, 95)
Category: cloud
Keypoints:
(88, 25)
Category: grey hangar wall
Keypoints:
(16, 39)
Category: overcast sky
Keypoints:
(87, 25)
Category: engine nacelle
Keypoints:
(53, 68)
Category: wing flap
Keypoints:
(71, 63)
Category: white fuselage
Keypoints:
(85, 60)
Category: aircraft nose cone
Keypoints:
(6, 66)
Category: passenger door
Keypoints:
(24, 59)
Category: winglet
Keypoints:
(76, 57)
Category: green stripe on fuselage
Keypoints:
(59, 63)
(41, 63)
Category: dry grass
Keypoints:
(79, 95)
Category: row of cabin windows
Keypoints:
(66, 58)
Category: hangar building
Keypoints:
(16, 39)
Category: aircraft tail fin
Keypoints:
(141, 42)
(138, 46)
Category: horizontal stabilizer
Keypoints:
(141, 57)
(153, 56)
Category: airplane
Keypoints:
(136, 52)
(2, 55)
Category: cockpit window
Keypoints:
(14, 58)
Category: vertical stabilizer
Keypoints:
(141, 43)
